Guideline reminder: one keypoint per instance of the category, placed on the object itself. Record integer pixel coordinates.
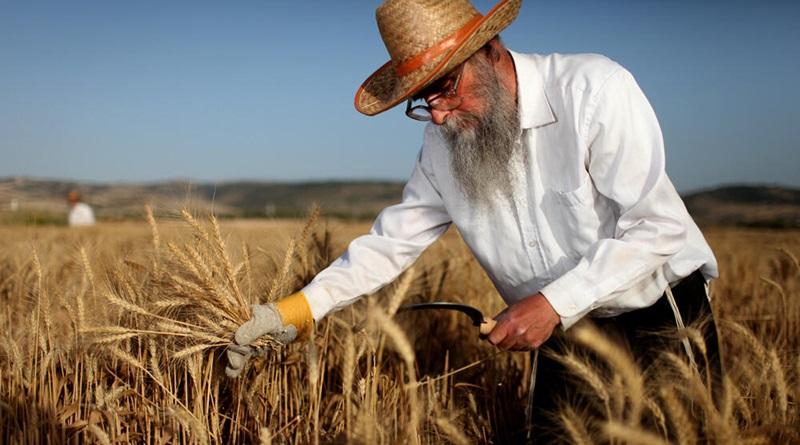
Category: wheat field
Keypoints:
(116, 334)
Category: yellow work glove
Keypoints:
(284, 320)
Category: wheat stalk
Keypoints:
(683, 426)
(348, 373)
(575, 427)
(779, 383)
(451, 431)
(621, 363)
(401, 344)
(222, 253)
(151, 221)
(631, 435)
(277, 283)
(264, 436)
(400, 292)
(587, 373)
(99, 434)
(199, 231)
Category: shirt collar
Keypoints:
(534, 108)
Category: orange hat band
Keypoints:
(410, 65)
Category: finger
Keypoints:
(539, 335)
(499, 332)
(513, 339)
(520, 346)
(509, 342)
(235, 360)
(249, 332)
(238, 356)
(235, 364)
(232, 372)
(286, 335)
(528, 341)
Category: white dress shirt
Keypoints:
(593, 222)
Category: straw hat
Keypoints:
(426, 39)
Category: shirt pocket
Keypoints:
(573, 220)
(583, 195)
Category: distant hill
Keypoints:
(350, 199)
(741, 205)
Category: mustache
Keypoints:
(458, 123)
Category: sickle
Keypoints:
(485, 325)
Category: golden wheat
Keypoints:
(91, 335)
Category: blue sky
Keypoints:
(213, 91)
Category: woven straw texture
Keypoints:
(408, 28)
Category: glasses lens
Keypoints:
(419, 111)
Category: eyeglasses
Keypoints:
(442, 95)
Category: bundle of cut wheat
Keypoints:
(197, 302)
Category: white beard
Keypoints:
(482, 146)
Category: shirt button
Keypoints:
(531, 243)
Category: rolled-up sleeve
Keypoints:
(399, 235)
(625, 160)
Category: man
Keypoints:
(552, 169)
(80, 214)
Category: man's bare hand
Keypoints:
(525, 325)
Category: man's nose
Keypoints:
(438, 116)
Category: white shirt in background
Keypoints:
(593, 222)
(81, 215)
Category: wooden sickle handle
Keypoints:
(487, 326)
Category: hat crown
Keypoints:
(409, 27)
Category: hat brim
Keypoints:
(384, 88)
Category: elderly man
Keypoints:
(552, 169)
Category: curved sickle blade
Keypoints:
(474, 314)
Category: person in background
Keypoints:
(80, 213)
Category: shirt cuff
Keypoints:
(571, 296)
(319, 300)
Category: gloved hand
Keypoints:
(283, 320)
